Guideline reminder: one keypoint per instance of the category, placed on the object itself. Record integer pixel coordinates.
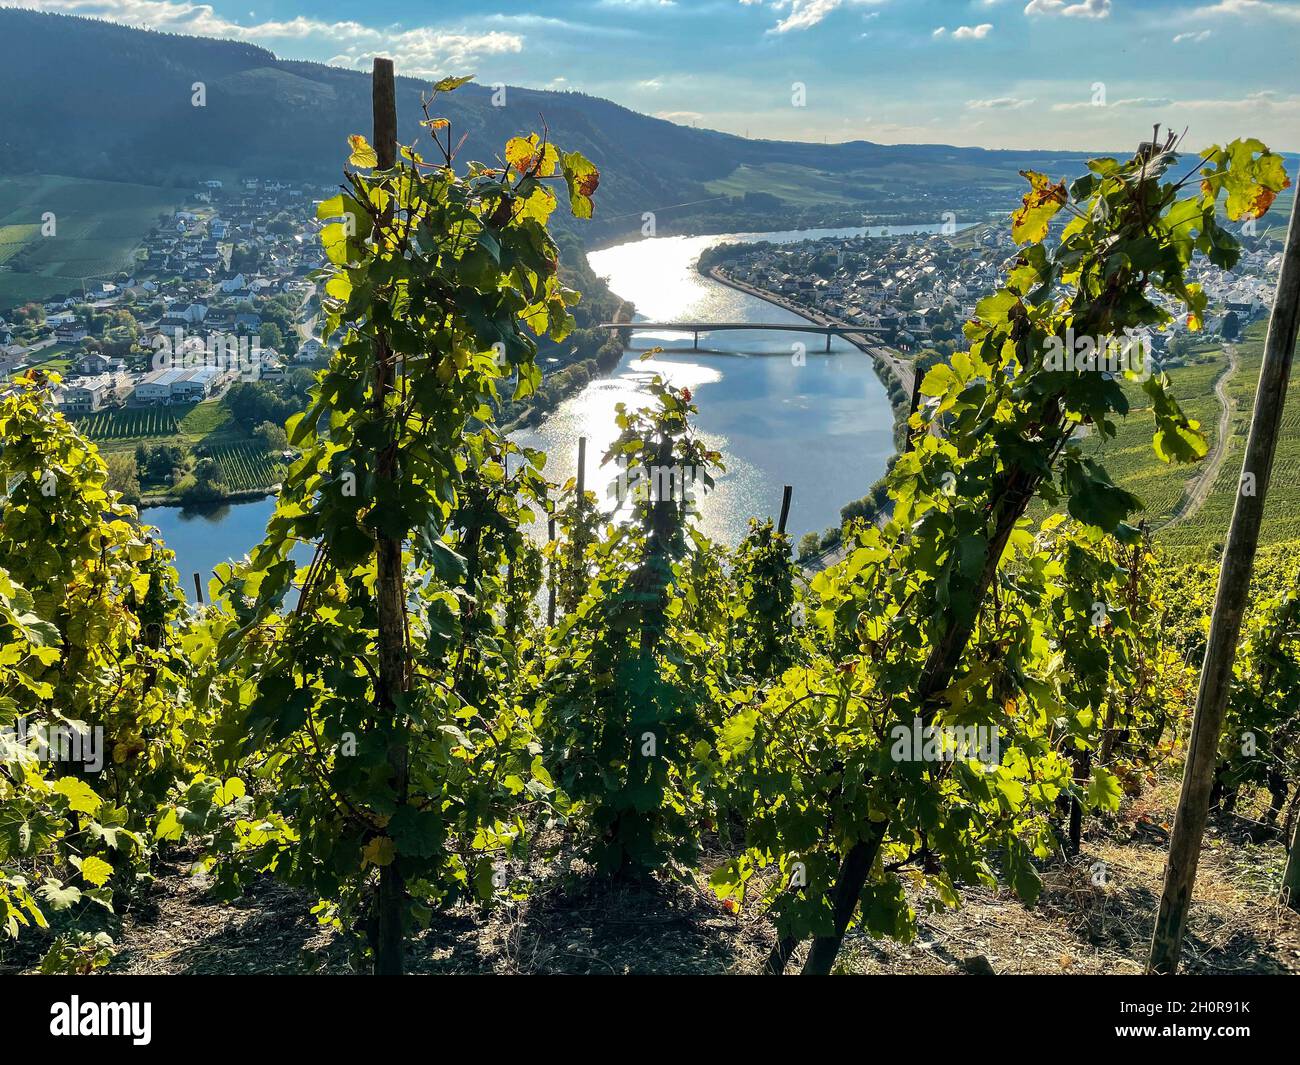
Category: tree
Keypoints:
(273, 436)
(271, 337)
(123, 476)
(624, 706)
(1252, 184)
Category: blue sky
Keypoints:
(997, 73)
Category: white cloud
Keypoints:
(805, 14)
(1194, 37)
(998, 103)
(1132, 101)
(423, 50)
(1083, 9)
(1251, 9)
(965, 33)
(1253, 103)
(683, 118)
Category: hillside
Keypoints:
(286, 119)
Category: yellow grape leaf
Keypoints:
(362, 154)
(1040, 204)
(379, 851)
(519, 152)
(79, 794)
(582, 178)
(529, 156)
(95, 871)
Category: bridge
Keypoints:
(718, 327)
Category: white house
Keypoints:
(89, 394)
(94, 363)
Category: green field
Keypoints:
(806, 186)
(1129, 457)
(208, 423)
(794, 184)
(1132, 463)
(98, 225)
(1282, 509)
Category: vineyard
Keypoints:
(127, 422)
(446, 744)
(247, 467)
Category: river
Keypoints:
(824, 426)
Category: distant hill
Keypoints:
(94, 99)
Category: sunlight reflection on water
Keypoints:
(825, 427)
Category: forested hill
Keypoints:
(94, 99)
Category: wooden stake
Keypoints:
(550, 582)
(582, 466)
(1229, 607)
(390, 593)
(383, 97)
(917, 376)
(786, 492)
(198, 588)
(1290, 895)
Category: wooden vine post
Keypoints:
(1291, 878)
(389, 588)
(786, 492)
(1229, 608)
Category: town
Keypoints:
(227, 274)
(914, 291)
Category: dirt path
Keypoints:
(1199, 488)
(1094, 916)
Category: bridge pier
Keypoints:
(828, 343)
(697, 341)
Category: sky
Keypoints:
(1091, 74)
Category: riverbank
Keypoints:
(250, 495)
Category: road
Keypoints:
(1199, 487)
